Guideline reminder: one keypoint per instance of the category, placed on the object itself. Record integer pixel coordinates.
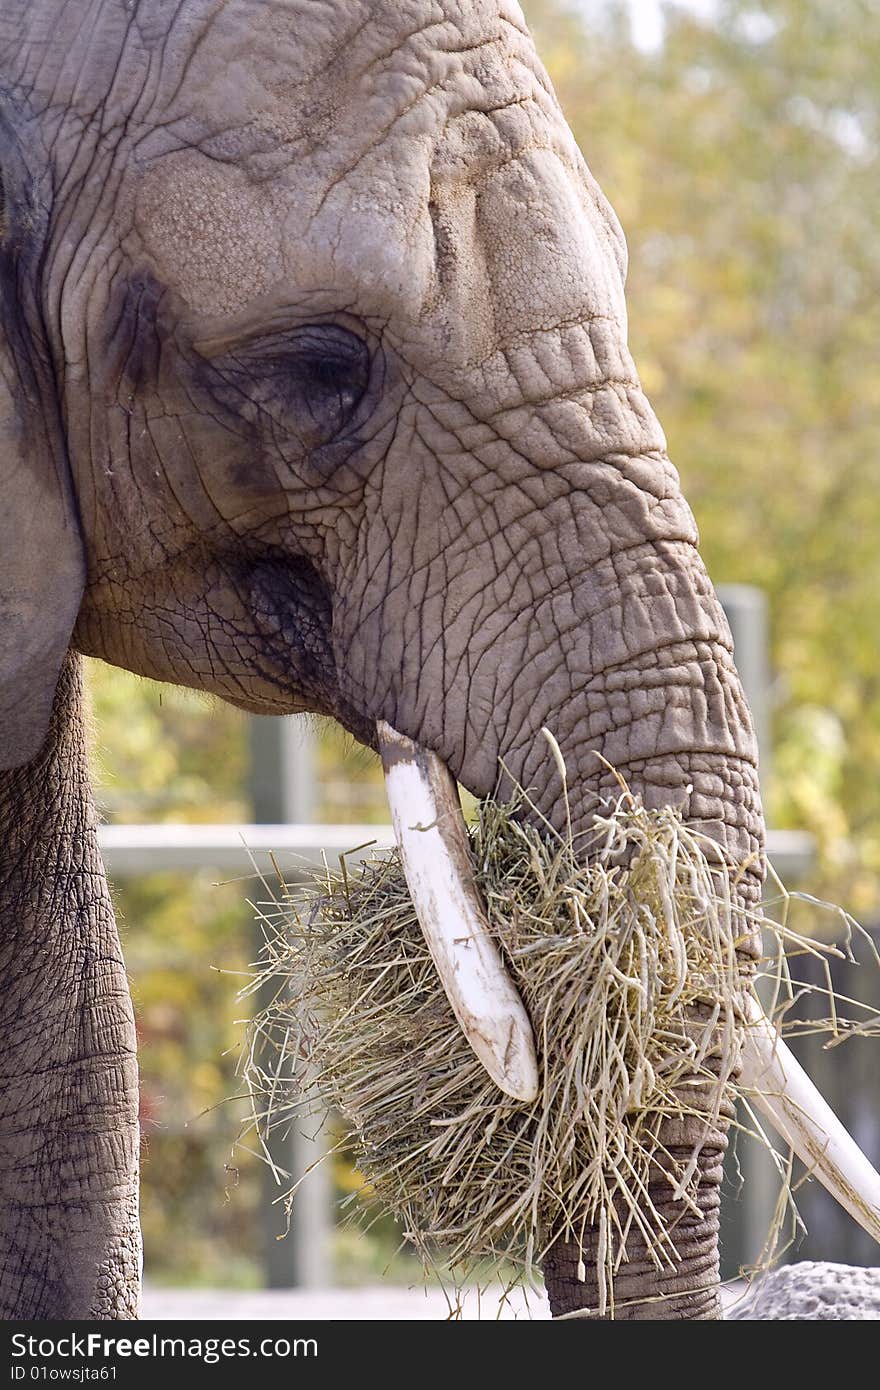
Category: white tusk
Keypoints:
(782, 1089)
(431, 837)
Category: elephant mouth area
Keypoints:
(255, 630)
(432, 843)
(289, 607)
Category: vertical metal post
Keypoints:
(746, 1221)
(282, 778)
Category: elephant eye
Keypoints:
(330, 369)
(303, 387)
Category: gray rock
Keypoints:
(812, 1291)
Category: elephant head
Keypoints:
(317, 396)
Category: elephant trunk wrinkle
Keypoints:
(643, 1288)
(707, 769)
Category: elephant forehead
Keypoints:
(418, 167)
(237, 248)
(282, 64)
(213, 234)
(79, 39)
(259, 81)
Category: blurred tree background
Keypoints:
(741, 155)
(742, 159)
(166, 754)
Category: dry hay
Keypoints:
(624, 948)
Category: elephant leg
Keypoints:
(69, 1231)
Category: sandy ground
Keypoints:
(361, 1305)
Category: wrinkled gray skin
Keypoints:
(315, 394)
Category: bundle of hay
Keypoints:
(626, 957)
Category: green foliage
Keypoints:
(742, 159)
(165, 754)
(187, 942)
(162, 753)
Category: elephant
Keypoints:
(316, 396)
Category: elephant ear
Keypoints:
(42, 562)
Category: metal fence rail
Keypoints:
(130, 850)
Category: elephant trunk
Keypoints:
(691, 745)
(69, 1139)
(643, 1288)
(642, 1291)
(627, 662)
(672, 720)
